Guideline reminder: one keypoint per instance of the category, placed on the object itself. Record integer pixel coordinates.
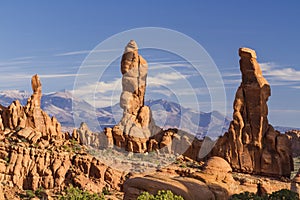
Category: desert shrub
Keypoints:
(284, 194)
(30, 194)
(106, 191)
(39, 192)
(74, 193)
(246, 196)
(161, 195)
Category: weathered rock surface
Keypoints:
(294, 137)
(17, 117)
(137, 124)
(188, 188)
(214, 181)
(34, 153)
(136, 131)
(251, 144)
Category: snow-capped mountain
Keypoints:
(165, 113)
(8, 96)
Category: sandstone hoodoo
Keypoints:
(31, 117)
(136, 132)
(35, 153)
(136, 125)
(251, 144)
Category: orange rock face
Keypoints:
(34, 153)
(31, 116)
(137, 124)
(251, 144)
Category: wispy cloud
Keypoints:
(104, 92)
(295, 86)
(277, 75)
(82, 52)
(99, 88)
(24, 58)
(280, 73)
(164, 79)
(44, 76)
(13, 63)
(72, 53)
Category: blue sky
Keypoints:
(52, 38)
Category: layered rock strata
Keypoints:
(34, 153)
(137, 124)
(251, 144)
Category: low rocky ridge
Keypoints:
(211, 180)
(34, 153)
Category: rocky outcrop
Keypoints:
(84, 136)
(188, 188)
(215, 180)
(34, 153)
(251, 144)
(31, 116)
(136, 125)
(294, 137)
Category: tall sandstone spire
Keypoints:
(251, 144)
(136, 125)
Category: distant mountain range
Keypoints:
(165, 113)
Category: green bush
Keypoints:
(284, 194)
(278, 195)
(39, 192)
(161, 195)
(73, 193)
(247, 196)
(30, 194)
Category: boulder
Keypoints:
(188, 188)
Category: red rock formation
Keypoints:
(137, 124)
(35, 153)
(17, 117)
(251, 144)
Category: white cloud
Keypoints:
(103, 93)
(82, 52)
(295, 86)
(164, 79)
(27, 76)
(99, 92)
(24, 58)
(13, 63)
(285, 74)
(72, 53)
(104, 87)
(174, 64)
(275, 74)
